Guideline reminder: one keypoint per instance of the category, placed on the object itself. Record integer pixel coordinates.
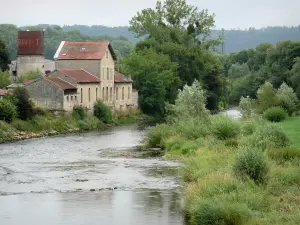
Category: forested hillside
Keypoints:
(55, 34)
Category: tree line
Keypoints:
(55, 34)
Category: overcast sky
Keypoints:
(230, 14)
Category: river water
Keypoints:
(87, 179)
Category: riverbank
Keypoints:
(235, 172)
(50, 125)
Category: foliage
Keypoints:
(291, 126)
(224, 127)
(4, 79)
(268, 136)
(155, 77)
(190, 103)
(8, 111)
(287, 99)
(7, 132)
(253, 164)
(284, 154)
(247, 106)
(192, 128)
(275, 114)
(180, 32)
(102, 112)
(4, 57)
(79, 112)
(266, 96)
(24, 105)
(156, 135)
(29, 75)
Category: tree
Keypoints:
(24, 106)
(4, 57)
(156, 78)
(181, 32)
(4, 79)
(266, 96)
(295, 76)
(287, 98)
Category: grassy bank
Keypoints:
(50, 124)
(235, 172)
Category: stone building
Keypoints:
(99, 59)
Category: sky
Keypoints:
(230, 14)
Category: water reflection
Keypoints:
(141, 207)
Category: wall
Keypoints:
(107, 78)
(135, 98)
(70, 100)
(92, 66)
(121, 104)
(83, 94)
(46, 94)
(26, 63)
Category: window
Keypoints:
(107, 54)
(89, 95)
(128, 92)
(67, 98)
(96, 94)
(72, 98)
(81, 96)
(106, 94)
(103, 94)
(117, 93)
(107, 71)
(75, 98)
(122, 93)
(110, 97)
(111, 74)
(103, 75)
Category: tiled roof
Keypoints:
(3, 92)
(83, 50)
(59, 82)
(26, 82)
(120, 78)
(81, 76)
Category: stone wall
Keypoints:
(46, 94)
(27, 63)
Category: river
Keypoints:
(87, 179)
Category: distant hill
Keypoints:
(235, 40)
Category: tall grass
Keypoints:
(224, 127)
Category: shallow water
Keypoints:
(91, 178)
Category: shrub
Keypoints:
(6, 132)
(275, 114)
(24, 105)
(268, 136)
(192, 128)
(284, 154)
(37, 111)
(247, 106)
(22, 125)
(8, 111)
(224, 127)
(251, 163)
(156, 135)
(216, 213)
(102, 112)
(79, 112)
(83, 125)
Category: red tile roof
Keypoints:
(3, 92)
(83, 50)
(81, 76)
(121, 78)
(59, 82)
(26, 82)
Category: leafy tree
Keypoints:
(238, 70)
(287, 98)
(4, 57)
(295, 76)
(30, 75)
(4, 79)
(155, 77)
(24, 106)
(266, 96)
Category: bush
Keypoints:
(37, 111)
(224, 127)
(6, 132)
(8, 111)
(275, 114)
(102, 112)
(24, 105)
(156, 135)
(192, 128)
(247, 106)
(268, 136)
(22, 125)
(266, 96)
(79, 112)
(216, 213)
(287, 98)
(284, 154)
(251, 163)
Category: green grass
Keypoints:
(291, 127)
